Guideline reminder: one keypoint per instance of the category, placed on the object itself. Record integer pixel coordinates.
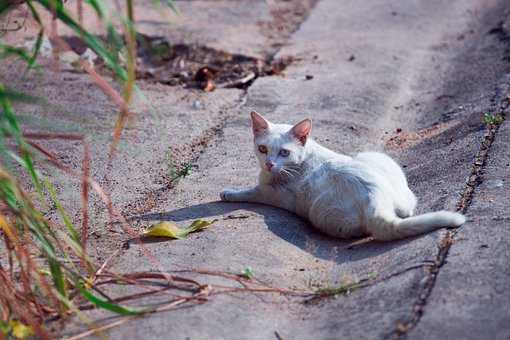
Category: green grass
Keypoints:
(31, 290)
(490, 119)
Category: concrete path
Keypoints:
(411, 78)
(377, 67)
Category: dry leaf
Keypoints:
(164, 229)
(171, 230)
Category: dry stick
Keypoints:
(127, 298)
(220, 274)
(261, 290)
(54, 33)
(132, 278)
(103, 266)
(173, 304)
(9, 247)
(138, 279)
(100, 329)
(125, 319)
(79, 8)
(200, 297)
(85, 204)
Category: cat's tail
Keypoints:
(398, 228)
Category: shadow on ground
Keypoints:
(285, 225)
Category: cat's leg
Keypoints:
(242, 195)
(264, 194)
(406, 203)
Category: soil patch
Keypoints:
(403, 140)
(192, 66)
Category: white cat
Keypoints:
(340, 195)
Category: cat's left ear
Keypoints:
(302, 130)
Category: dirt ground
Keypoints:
(413, 79)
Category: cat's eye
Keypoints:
(284, 153)
(262, 149)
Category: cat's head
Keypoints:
(280, 148)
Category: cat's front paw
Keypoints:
(227, 194)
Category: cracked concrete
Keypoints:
(410, 78)
(470, 283)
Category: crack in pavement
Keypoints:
(184, 154)
(474, 180)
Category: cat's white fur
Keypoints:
(340, 195)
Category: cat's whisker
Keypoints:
(293, 172)
(296, 171)
(287, 172)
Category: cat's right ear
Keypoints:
(259, 124)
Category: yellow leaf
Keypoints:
(20, 330)
(198, 225)
(171, 230)
(164, 229)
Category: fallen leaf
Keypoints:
(20, 330)
(164, 229)
(171, 230)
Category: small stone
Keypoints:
(494, 184)
(89, 56)
(197, 105)
(68, 57)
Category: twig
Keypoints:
(127, 298)
(359, 242)
(85, 203)
(101, 328)
(103, 266)
(239, 82)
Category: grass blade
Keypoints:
(105, 304)
(58, 277)
(65, 217)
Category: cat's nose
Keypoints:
(269, 165)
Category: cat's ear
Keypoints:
(259, 124)
(301, 131)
